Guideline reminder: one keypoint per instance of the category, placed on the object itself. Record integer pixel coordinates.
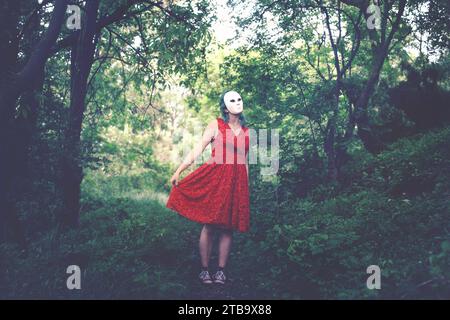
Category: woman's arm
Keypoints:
(207, 137)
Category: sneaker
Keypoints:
(219, 277)
(205, 277)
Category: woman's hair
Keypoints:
(223, 110)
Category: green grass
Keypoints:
(392, 211)
(127, 247)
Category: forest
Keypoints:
(99, 100)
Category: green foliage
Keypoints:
(326, 245)
(126, 247)
(153, 79)
(319, 246)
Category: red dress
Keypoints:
(217, 192)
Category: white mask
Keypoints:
(233, 102)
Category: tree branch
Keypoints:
(43, 49)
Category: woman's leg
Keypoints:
(205, 244)
(224, 247)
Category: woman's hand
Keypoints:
(175, 178)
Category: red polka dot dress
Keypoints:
(217, 192)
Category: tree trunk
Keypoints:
(81, 62)
(329, 148)
(9, 51)
(365, 133)
(13, 84)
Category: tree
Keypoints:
(22, 75)
(16, 80)
(319, 29)
(82, 56)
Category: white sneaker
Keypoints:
(219, 277)
(205, 277)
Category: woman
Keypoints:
(216, 194)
